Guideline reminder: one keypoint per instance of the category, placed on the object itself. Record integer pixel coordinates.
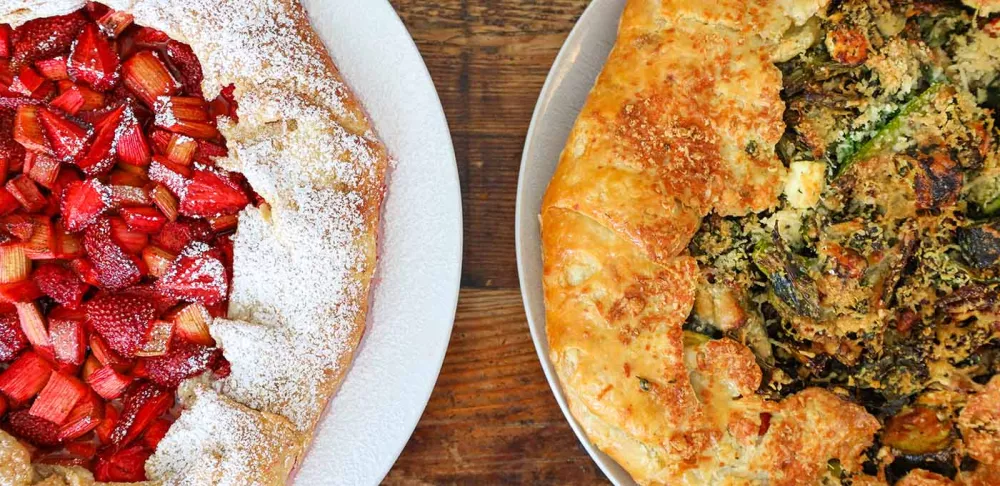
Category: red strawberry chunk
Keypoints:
(83, 202)
(19, 292)
(10, 150)
(26, 192)
(58, 398)
(67, 139)
(185, 360)
(6, 50)
(47, 37)
(176, 235)
(35, 430)
(210, 194)
(111, 416)
(12, 338)
(183, 58)
(143, 219)
(109, 383)
(169, 174)
(41, 169)
(114, 23)
(126, 465)
(60, 283)
(31, 84)
(197, 275)
(93, 60)
(53, 69)
(122, 320)
(25, 377)
(155, 433)
(114, 268)
(142, 404)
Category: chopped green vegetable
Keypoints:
(787, 280)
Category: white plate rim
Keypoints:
(564, 69)
(420, 256)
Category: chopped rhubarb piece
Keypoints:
(157, 260)
(197, 275)
(83, 202)
(184, 361)
(84, 450)
(114, 268)
(39, 245)
(67, 139)
(160, 140)
(121, 177)
(8, 203)
(4, 405)
(33, 429)
(58, 398)
(19, 225)
(173, 176)
(122, 320)
(6, 49)
(111, 416)
(31, 84)
(165, 201)
(207, 152)
(42, 169)
(108, 383)
(125, 466)
(181, 149)
(113, 23)
(129, 240)
(90, 365)
(127, 197)
(223, 224)
(157, 340)
(93, 101)
(185, 115)
(46, 37)
(19, 292)
(60, 283)
(142, 404)
(133, 149)
(155, 433)
(33, 324)
(65, 245)
(93, 60)
(85, 270)
(28, 130)
(105, 354)
(53, 69)
(26, 192)
(14, 264)
(147, 77)
(143, 219)
(69, 101)
(12, 338)
(25, 378)
(210, 194)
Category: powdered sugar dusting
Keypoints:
(302, 267)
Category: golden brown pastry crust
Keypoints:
(681, 122)
(307, 146)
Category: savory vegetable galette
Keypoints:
(772, 245)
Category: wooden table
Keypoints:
(492, 418)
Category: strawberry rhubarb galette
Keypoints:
(188, 212)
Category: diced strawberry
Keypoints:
(42, 169)
(29, 83)
(147, 77)
(126, 465)
(111, 416)
(143, 219)
(176, 235)
(67, 139)
(122, 320)
(115, 268)
(165, 201)
(157, 260)
(53, 69)
(173, 176)
(85, 270)
(6, 49)
(210, 194)
(225, 104)
(185, 115)
(46, 37)
(83, 202)
(8, 203)
(94, 102)
(35, 430)
(109, 383)
(184, 361)
(155, 433)
(69, 340)
(93, 60)
(183, 58)
(26, 192)
(143, 403)
(207, 152)
(129, 197)
(60, 283)
(70, 101)
(121, 177)
(28, 130)
(181, 149)
(114, 23)
(58, 398)
(129, 240)
(25, 377)
(14, 264)
(4, 405)
(158, 339)
(12, 338)
(10, 151)
(19, 225)
(197, 275)
(19, 292)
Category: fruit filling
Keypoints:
(115, 236)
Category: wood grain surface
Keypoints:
(492, 418)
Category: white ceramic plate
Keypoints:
(371, 418)
(566, 89)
